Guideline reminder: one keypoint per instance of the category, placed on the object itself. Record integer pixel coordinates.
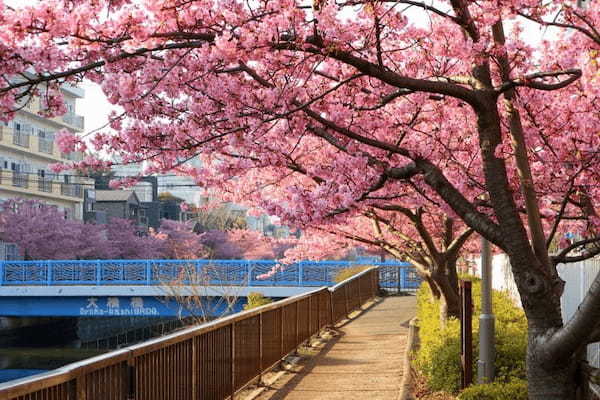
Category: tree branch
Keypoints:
(577, 332)
(562, 257)
(529, 80)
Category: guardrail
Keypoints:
(392, 275)
(212, 361)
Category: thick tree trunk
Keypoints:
(547, 378)
(549, 382)
(435, 292)
(449, 300)
(446, 279)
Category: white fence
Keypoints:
(577, 276)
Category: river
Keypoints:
(20, 362)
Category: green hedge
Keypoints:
(256, 299)
(438, 358)
(515, 389)
(346, 273)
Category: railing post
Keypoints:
(129, 378)
(248, 273)
(98, 272)
(373, 276)
(232, 336)
(297, 324)
(346, 299)
(194, 371)
(331, 313)
(362, 278)
(2, 272)
(148, 272)
(318, 315)
(80, 384)
(49, 272)
(260, 348)
(309, 318)
(300, 273)
(281, 329)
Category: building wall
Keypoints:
(112, 209)
(27, 148)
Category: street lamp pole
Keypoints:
(485, 365)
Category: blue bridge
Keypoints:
(163, 287)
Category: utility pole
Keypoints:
(487, 352)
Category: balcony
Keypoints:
(46, 146)
(73, 120)
(71, 190)
(21, 138)
(44, 185)
(74, 156)
(20, 179)
(35, 185)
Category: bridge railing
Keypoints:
(393, 274)
(212, 361)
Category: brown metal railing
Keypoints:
(211, 361)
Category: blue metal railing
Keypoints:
(392, 274)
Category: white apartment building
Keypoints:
(27, 148)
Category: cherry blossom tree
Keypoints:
(179, 241)
(42, 232)
(431, 242)
(124, 241)
(306, 109)
(244, 244)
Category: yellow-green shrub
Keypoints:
(349, 272)
(515, 389)
(256, 299)
(438, 358)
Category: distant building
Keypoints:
(9, 251)
(90, 213)
(170, 206)
(122, 204)
(27, 148)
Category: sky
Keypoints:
(94, 107)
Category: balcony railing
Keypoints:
(71, 190)
(44, 185)
(45, 146)
(73, 119)
(20, 179)
(21, 138)
(74, 156)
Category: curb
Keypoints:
(411, 345)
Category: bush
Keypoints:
(438, 358)
(346, 273)
(256, 299)
(515, 389)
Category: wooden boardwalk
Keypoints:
(364, 362)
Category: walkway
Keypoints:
(363, 363)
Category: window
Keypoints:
(11, 252)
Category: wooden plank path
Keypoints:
(365, 362)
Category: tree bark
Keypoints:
(449, 300)
(435, 292)
(548, 382)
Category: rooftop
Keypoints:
(113, 195)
